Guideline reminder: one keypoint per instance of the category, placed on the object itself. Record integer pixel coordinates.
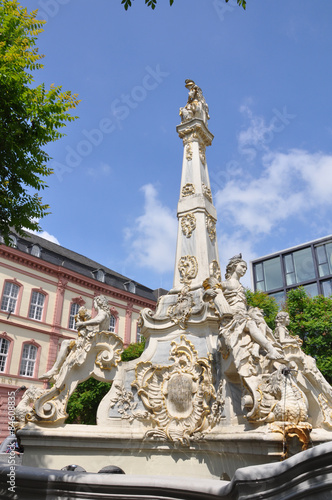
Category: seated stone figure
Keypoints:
(196, 106)
(244, 320)
(87, 329)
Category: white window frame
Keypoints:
(74, 307)
(28, 360)
(4, 350)
(36, 307)
(112, 323)
(10, 296)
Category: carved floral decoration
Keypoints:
(207, 192)
(177, 396)
(181, 311)
(188, 189)
(188, 224)
(189, 151)
(211, 227)
(188, 268)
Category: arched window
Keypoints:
(73, 311)
(28, 361)
(112, 323)
(4, 349)
(36, 305)
(35, 250)
(9, 297)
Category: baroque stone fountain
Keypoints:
(214, 390)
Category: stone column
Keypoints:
(197, 249)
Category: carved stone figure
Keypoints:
(87, 328)
(96, 352)
(196, 106)
(245, 321)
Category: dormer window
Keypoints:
(13, 241)
(130, 286)
(35, 250)
(99, 275)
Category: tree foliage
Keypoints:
(83, 403)
(153, 3)
(311, 320)
(266, 303)
(133, 351)
(30, 117)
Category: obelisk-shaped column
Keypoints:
(197, 248)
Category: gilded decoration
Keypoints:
(188, 224)
(207, 192)
(211, 227)
(178, 396)
(188, 268)
(189, 151)
(202, 154)
(188, 189)
(181, 311)
(125, 404)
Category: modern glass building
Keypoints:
(308, 265)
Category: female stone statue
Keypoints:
(245, 321)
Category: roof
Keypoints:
(63, 257)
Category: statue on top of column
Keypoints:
(196, 106)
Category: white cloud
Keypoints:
(290, 185)
(231, 244)
(152, 238)
(103, 169)
(46, 236)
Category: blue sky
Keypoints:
(266, 75)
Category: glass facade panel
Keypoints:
(273, 275)
(327, 288)
(280, 298)
(312, 290)
(324, 257)
(304, 265)
(259, 272)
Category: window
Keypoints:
(130, 286)
(299, 266)
(327, 288)
(13, 240)
(35, 250)
(324, 258)
(28, 360)
(4, 348)
(73, 311)
(139, 337)
(100, 275)
(36, 305)
(112, 323)
(268, 275)
(9, 298)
